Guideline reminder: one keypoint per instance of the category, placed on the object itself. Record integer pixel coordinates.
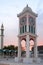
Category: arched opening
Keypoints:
(31, 47)
(23, 48)
(31, 44)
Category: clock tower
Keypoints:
(27, 32)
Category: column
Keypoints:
(27, 47)
(27, 24)
(35, 49)
(19, 48)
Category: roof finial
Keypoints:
(27, 5)
(2, 25)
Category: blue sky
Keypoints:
(8, 16)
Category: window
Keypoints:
(34, 30)
(25, 28)
(29, 28)
(20, 30)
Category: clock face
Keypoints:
(23, 20)
(31, 20)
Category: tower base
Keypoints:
(36, 60)
(31, 60)
(18, 59)
(28, 60)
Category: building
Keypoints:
(27, 32)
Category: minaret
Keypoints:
(2, 35)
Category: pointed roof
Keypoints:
(2, 27)
(27, 9)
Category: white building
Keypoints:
(27, 32)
